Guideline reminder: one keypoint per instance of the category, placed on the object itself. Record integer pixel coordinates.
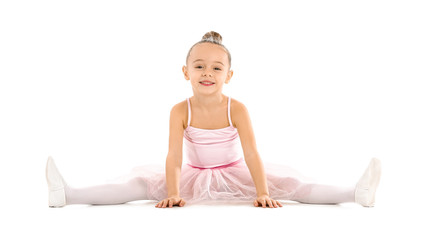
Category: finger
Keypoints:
(263, 203)
(170, 203)
(164, 203)
(182, 203)
(256, 203)
(279, 203)
(270, 203)
(274, 203)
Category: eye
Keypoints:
(217, 68)
(198, 66)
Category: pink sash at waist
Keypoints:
(221, 166)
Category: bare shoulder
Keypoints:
(179, 112)
(238, 112)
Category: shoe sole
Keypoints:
(375, 178)
(57, 195)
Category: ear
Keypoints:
(185, 71)
(229, 75)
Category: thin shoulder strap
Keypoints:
(189, 112)
(229, 117)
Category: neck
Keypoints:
(208, 102)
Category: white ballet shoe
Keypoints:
(56, 183)
(366, 187)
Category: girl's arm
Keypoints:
(174, 157)
(252, 158)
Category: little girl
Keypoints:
(222, 161)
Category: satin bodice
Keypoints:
(209, 148)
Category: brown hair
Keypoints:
(211, 37)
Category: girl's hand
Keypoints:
(170, 202)
(265, 199)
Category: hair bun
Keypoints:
(212, 37)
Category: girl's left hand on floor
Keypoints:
(266, 200)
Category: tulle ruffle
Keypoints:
(226, 183)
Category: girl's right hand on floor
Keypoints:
(170, 202)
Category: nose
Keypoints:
(207, 73)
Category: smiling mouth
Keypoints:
(204, 83)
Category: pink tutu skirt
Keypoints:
(232, 182)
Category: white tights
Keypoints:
(324, 194)
(116, 193)
(135, 189)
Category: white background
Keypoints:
(328, 85)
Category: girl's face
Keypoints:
(208, 63)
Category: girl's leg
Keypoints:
(362, 193)
(133, 190)
(61, 194)
(324, 194)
